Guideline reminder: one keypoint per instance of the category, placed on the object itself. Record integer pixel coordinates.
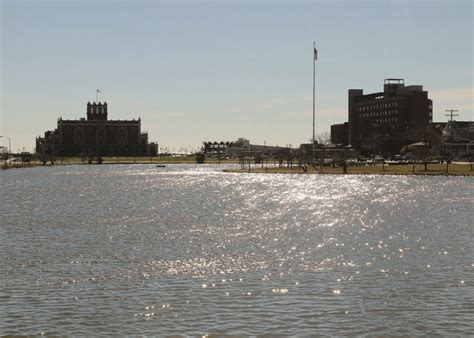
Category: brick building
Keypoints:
(379, 121)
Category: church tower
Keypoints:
(97, 111)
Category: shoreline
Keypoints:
(399, 170)
(114, 160)
(454, 169)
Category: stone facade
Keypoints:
(96, 136)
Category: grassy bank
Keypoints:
(116, 160)
(19, 165)
(144, 160)
(406, 169)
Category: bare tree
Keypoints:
(258, 158)
(428, 148)
(200, 158)
(280, 156)
(323, 140)
(289, 157)
(302, 159)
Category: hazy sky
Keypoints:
(218, 70)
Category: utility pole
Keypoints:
(9, 144)
(9, 148)
(451, 111)
(451, 128)
(315, 57)
(451, 114)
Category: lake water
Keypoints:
(190, 250)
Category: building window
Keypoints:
(79, 135)
(100, 136)
(122, 136)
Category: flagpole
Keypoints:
(314, 62)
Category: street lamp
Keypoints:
(9, 144)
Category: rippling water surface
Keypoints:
(187, 249)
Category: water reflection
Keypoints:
(187, 249)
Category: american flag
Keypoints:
(315, 54)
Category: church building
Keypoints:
(96, 136)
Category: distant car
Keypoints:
(397, 157)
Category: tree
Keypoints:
(470, 157)
(241, 156)
(43, 158)
(289, 157)
(200, 158)
(302, 159)
(258, 157)
(432, 140)
(323, 140)
(280, 156)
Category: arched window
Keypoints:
(100, 136)
(79, 135)
(122, 136)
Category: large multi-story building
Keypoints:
(96, 136)
(379, 120)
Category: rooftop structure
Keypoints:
(96, 136)
(384, 116)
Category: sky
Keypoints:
(197, 71)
